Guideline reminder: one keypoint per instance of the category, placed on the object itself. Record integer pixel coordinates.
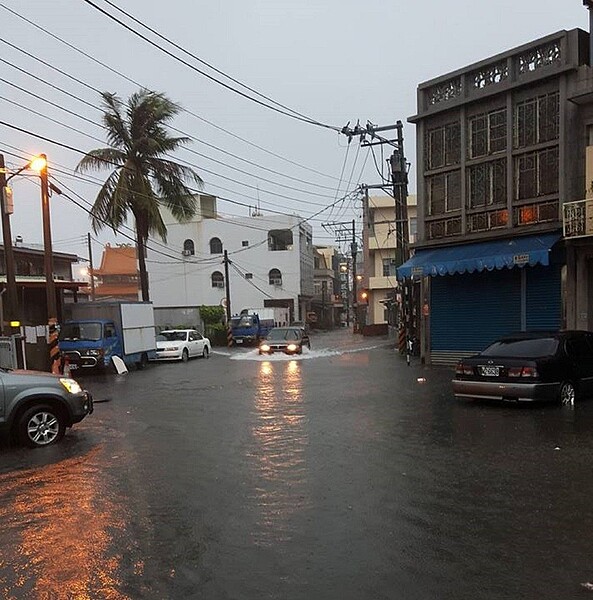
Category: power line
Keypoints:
(292, 114)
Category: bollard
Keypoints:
(54, 351)
(229, 337)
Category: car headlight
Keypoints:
(71, 385)
(264, 348)
(95, 352)
(172, 348)
(291, 347)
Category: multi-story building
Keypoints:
(271, 261)
(501, 146)
(380, 252)
(327, 301)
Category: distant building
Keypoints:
(117, 277)
(327, 303)
(380, 251)
(271, 261)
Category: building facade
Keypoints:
(327, 303)
(117, 277)
(380, 252)
(500, 149)
(271, 262)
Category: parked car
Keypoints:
(289, 340)
(555, 366)
(37, 407)
(181, 344)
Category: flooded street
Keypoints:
(334, 475)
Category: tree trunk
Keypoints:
(140, 248)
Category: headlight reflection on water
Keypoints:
(278, 452)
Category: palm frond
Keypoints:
(101, 158)
(118, 134)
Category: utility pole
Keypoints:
(11, 292)
(91, 267)
(354, 252)
(227, 287)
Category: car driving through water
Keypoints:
(289, 340)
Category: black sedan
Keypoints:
(555, 366)
(289, 340)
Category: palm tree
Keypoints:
(142, 179)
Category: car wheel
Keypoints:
(41, 425)
(567, 394)
(143, 362)
(205, 352)
(185, 355)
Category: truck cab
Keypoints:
(89, 343)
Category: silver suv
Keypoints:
(36, 408)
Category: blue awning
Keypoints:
(497, 254)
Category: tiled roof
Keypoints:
(118, 260)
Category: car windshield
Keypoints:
(283, 334)
(523, 348)
(243, 321)
(81, 331)
(171, 336)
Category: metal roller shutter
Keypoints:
(544, 303)
(470, 311)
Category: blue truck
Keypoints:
(253, 324)
(98, 331)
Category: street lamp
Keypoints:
(37, 163)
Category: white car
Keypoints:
(181, 344)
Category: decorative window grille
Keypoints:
(215, 246)
(540, 57)
(487, 184)
(487, 133)
(275, 277)
(531, 214)
(443, 146)
(490, 75)
(217, 279)
(444, 193)
(537, 120)
(487, 221)
(536, 174)
(441, 92)
(443, 228)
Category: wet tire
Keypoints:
(143, 362)
(184, 355)
(205, 352)
(41, 425)
(567, 395)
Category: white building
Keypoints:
(271, 261)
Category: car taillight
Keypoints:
(522, 372)
(462, 369)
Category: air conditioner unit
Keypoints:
(186, 252)
(219, 284)
(277, 282)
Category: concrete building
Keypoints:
(327, 303)
(380, 247)
(271, 262)
(502, 151)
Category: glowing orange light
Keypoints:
(38, 163)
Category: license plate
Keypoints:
(73, 367)
(238, 341)
(490, 371)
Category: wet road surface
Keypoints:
(332, 475)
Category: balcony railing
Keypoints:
(577, 218)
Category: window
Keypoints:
(245, 243)
(487, 133)
(215, 246)
(487, 184)
(275, 277)
(217, 279)
(444, 193)
(536, 174)
(443, 146)
(109, 331)
(248, 275)
(389, 267)
(537, 120)
(413, 226)
(280, 239)
(188, 248)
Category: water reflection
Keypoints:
(278, 455)
(57, 531)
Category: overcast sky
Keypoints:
(332, 60)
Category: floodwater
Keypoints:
(340, 473)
